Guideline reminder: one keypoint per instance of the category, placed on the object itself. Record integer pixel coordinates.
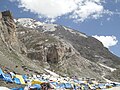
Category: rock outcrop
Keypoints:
(11, 48)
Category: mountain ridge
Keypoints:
(60, 49)
(68, 29)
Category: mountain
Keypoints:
(11, 47)
(33, 45)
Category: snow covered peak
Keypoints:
(28, 22)
(74, 32)
(31, 23)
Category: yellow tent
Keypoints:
(20, 78)
(36, 82)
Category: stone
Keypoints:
(7, 13)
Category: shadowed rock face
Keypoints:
(54, 47)
(52, 55)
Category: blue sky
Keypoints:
(97, 18)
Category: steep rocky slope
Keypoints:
(66, 51)
(11, 48)
(37, 45)
(57, 54)
(87, 46)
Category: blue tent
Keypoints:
(1, 74)
(54, 83)
(36, 87)
(64, 85)
(25, 78)
(61, 85)
(68, 85)
(5, 77)
(18, 88)
(17, 81)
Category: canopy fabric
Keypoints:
(5, 77)
(17, 88)
(17, 81)
(52, 86)
(1, 74)
(25, 78)
(20, 79)
(36, 82)
(68, 85)
(37, 86)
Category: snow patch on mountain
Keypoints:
(73, 31)
(49, 27)
(111, 69)
(31, 23)
(28, 22)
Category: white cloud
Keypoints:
(48, 8)
(89, 9)
(52, 9)
(107, 41)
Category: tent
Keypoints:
(68, 85)
(35, 87)
(54, 85)
(18, 88)
(19, 79)
(36, 82)
(1, 74)
(25, 78)
(64, 85)
(61, 85)
(5, 77)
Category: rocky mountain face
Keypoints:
(11, 48)
(38, 45)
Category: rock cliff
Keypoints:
(11, 48)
